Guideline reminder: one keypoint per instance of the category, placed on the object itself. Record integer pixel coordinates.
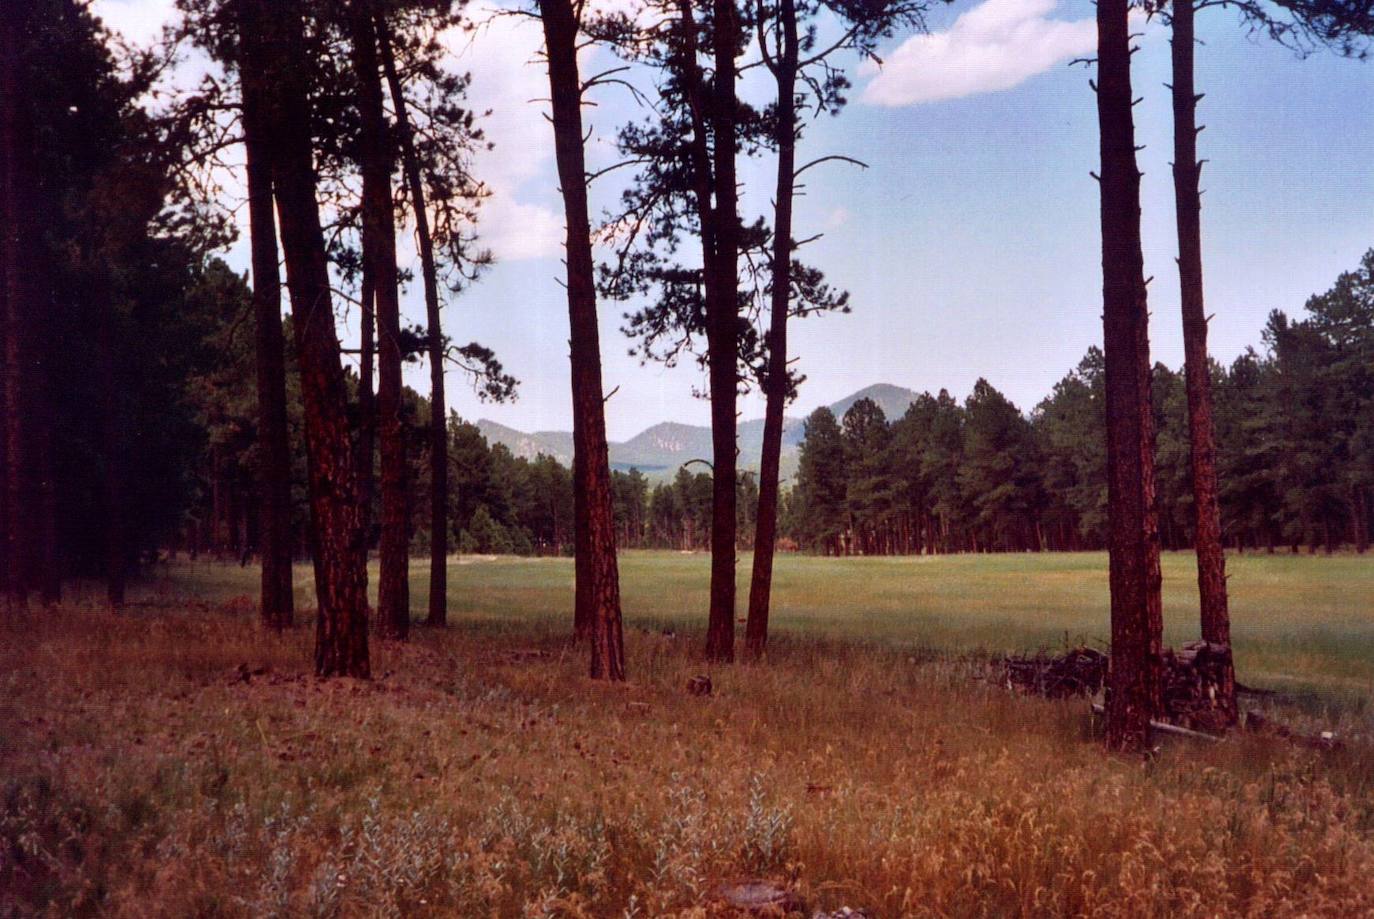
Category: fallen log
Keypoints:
(1164, 727)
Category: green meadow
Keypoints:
(1299, 622)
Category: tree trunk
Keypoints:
(1133, 542)
(336, 537)
(31, 505)
(274, 474)
(367, 397)
(583, 615)
(49, 571)
(112, 446)
(719, 240)
(1211, 555)
(438, 411)
(5, 565)
(598, 579)
(722, 316)
(379, 252)
(1360, 511)
(15, 227)
(775, 383)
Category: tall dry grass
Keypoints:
(482, 775)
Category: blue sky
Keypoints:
(970, 246)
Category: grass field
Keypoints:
(1299, 622)
(481, 774)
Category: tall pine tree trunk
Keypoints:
(274, 448)
(438, 411)
(1211, 556)
(766, 528)
(583, 604)
(49, 571)
(337, 538)
(1134, 553)
(14, 223)
(31, 499)
(715, 198)
(379, 251)
(1359, 509)
(367, 397)
(598, 587)
(722, 317)
(5, 564)
(111, 425)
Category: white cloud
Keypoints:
(994, 46)
(515, 231)
(519, 220)
(139, 21)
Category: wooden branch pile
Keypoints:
(1193, 677)
(1077, 672)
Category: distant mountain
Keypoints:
(659, 451)
(893, 400)
(662, 448)
(557, 444)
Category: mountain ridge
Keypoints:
(658, 450)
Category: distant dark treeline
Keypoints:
(498, 502)
(1295, 425)
(1295, 431)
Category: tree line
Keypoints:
(1294, 462)
(496, 502)
(1293, 459)
(1294, 427)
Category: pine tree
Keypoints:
(379, 255)
(274, 480)
(1133, 546)
(1207, 538)
(337, 537)
(597, 601)
(821, 483)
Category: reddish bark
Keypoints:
(367, 398)
(438, 411)
(337, 539)
(274, 475)
(48, 573)
(583, 615)
(1211, 555)
(598, 614)
(111, 427)
(719, 239)
(1359, 507)
(31, 505)
(1133, 537)
(14, 180)
(379, 252)
(775, 383)
(722, 317)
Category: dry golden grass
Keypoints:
(482, 775)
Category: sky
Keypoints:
(970, 243)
